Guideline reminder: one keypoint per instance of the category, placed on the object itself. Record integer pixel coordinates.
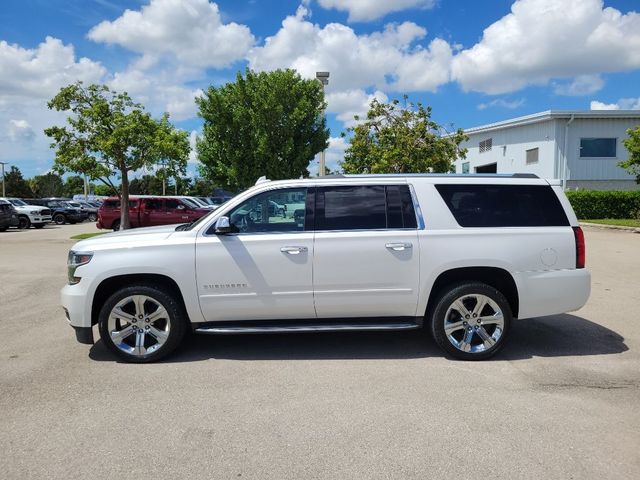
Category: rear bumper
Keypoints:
(554, 292)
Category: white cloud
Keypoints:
(581, 85)
(502, 103)
(348, 103)
(387, 59)
(191, 31)
(21, 131)
(544, 39)
(159, 90)
(333, 156)
(622, 104)
(193, 140)
(31, 77)
(40, 72)
(365, 10)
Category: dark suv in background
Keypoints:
(8, 215)
(61, 211)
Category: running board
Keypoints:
(329, 325)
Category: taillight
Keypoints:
(580, 248)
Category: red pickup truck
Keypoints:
(149, 211)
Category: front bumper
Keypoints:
(40, 219)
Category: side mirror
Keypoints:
(180, 207)
(223, 226)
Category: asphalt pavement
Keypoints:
(560, 401)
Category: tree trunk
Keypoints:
(124, 201)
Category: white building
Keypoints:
(582, 148)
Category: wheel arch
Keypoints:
(499, 278)
(110, 285)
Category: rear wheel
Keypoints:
(142, 323)
(59, 219)
(24, 222)
(471, 320)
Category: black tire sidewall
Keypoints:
(24, 224)
(447, 297)
(57, 217)
(115, 226)
(177, 318)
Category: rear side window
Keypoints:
(504, 205)
(366, 207)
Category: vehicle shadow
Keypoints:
(555, 336)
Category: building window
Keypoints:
(532, 156)
(465, 167)
(598, 147)
(485, 145)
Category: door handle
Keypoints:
(398, 247)
(293, 250)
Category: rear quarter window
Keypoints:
(503, 205)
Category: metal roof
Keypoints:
(551, 115)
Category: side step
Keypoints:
(329, 325)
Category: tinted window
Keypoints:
(171, 203)
(597, 147)
(153, 204)
(351, 208)
(503, 205)
(400, 212)
(273, 211)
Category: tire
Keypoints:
(38, 225)
(464, 332)
(157, 337)
(59, 219)
(93, 217)
(115, 226)
(24, 224)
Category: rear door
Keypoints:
(366, 253)
(152, 212)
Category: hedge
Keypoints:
(593, 204)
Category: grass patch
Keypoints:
(83, 236)
(625, 222)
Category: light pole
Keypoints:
(323, 77)
(3, 164)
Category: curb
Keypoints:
(611, 227)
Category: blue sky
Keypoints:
(473, 62)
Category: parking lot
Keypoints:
(560, 401)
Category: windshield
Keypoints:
(18, 203)
(73, 204)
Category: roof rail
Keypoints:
(262, 179)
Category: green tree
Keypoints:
(73, 185)
(267, 123)
(632, 164)
(202, 187)
(47, 185)
(401, 138)
(15, 184)
(146, 185)
(108, 135)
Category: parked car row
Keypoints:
(37, 212)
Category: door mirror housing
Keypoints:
(181, 207)
(223, 225)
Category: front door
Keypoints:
(264, 271)
(366, 255)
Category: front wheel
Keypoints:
(24, 223)
(93, 217)
(115, 226)
(142, 323)
(471, 321)
(59, 219)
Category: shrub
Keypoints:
(605, 204)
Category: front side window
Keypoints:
(172, 203)
(272, 211)
(598, 147)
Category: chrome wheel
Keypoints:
(474, 323)
(138, 325)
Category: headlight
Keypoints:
(74, 261)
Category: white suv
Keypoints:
(29, 215)
(460, 255)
